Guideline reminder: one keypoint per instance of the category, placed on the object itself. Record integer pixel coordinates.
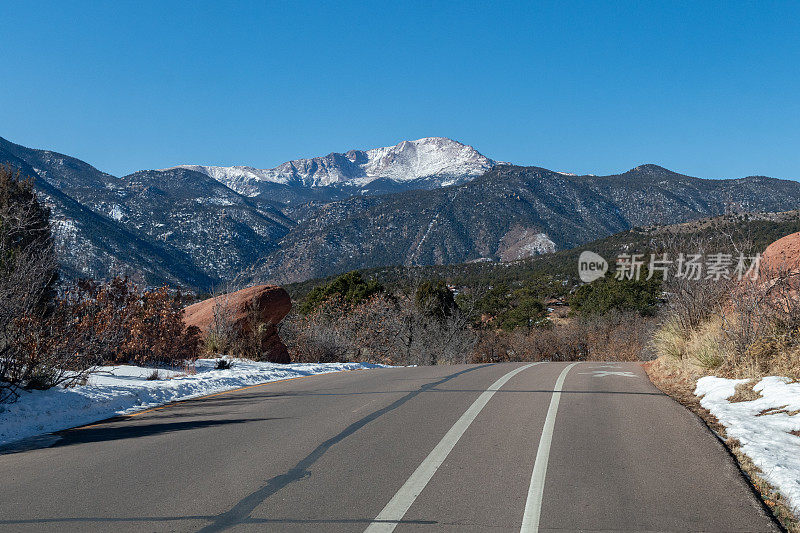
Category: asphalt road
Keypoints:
(457, 448)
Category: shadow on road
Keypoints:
(123, 428)
(241, 511)
(108, 432)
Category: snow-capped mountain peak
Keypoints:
(438, 158)
(428, 157)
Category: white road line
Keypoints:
(533, 507)
(397, 507)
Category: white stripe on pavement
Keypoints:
(397, 507)
(533, 507)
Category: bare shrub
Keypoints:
(240, 332)
(740, 328)
(222, 334)
(253, 338)
(762, 325)
(616, 336)
(142, 327)
(223, 364)
(318, 336)
(61, 346)
(427, 338)
(382, 329)
(28, 272)
(693, 299)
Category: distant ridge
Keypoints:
(423, 202)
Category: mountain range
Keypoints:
(421, 164)
(429, 201)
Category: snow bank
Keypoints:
(118, 390)
(765, 438)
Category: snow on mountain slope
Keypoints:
(432, 157)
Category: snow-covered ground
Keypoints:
(119, 390)
(762, 426)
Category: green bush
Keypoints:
(351, 287)
(527, 312)
(520, 308)
(434, 299)
(610, 294)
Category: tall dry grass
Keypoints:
(752, 332)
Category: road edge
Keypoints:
(682, 393)
(50, 438)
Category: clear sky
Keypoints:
(709, 89)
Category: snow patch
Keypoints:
(120, 390)
(65, 228)
(116, 212)
(762, 426)
(520, 242)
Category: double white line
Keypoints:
(397, 507)
(533, 506)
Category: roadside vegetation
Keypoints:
(733, 328)
(351, 318)
(730, 328)
(56, 332)
(359, 320)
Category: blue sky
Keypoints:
(709, 89)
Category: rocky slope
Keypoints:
(508, 213)
(431, 201)
(90, 243)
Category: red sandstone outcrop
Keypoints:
(261, 305)
(782, 256)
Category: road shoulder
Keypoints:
(680, 386)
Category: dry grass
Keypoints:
(775, 355)
(678, 380)
(714, 349)
(776, 410)
(745, 393)
(670, 340)
(707, 345)
(704, 347)
(189, 368)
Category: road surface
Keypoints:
(506, 447)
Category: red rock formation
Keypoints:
(267, 303)
(782, 255)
